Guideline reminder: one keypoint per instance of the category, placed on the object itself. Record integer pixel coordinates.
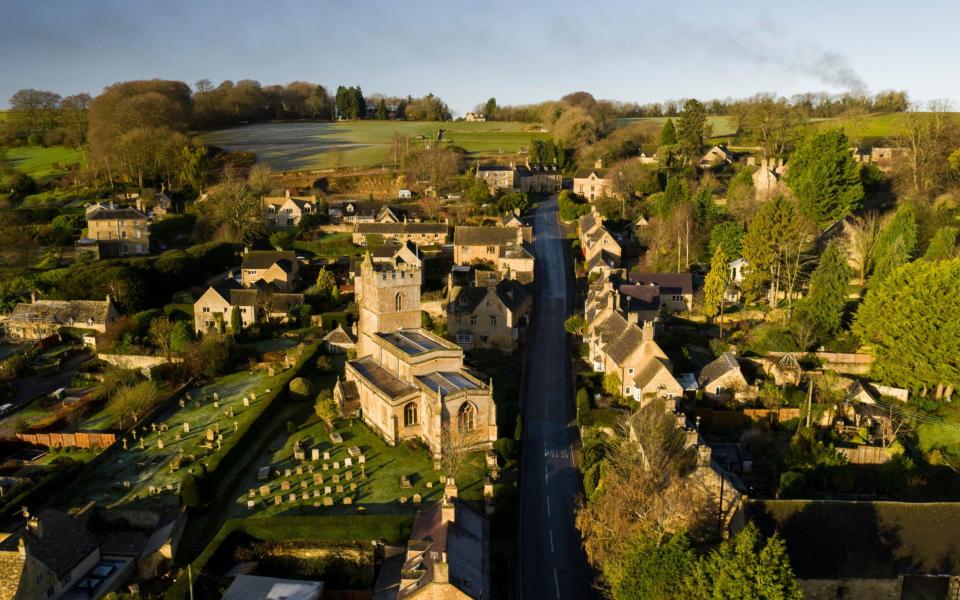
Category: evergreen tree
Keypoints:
(819, 315)
(654, 571)
(490, 109)
(668, 134)
(716, 283)
(824, 177)
(382, 110)
(746, 567)
(943, 246)
(909, 318)
(728, 234)
(895, 243)
(235, 322)
(690, 129)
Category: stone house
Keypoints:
(423, 234)
(768, 179)
(406, 253)
(722, 377)
(447, 556)
(498, 177)
(213, 310)
(593, 183)
(338, 341)
(539, 178)
(738, 269)
(676, 289)
(716, 156)
(353, 211)
(118, 231)
(629, 351)
(278, 267)
(488, 314)
(287, 210)
(398, 213)
(501, 247)
(42, 318)
(407, 382)
(157, 555)
(475, 117)
(596, 241)
(46, 557)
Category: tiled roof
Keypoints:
(62, 312)
(264, 259)
(385, 381)
(682, 282)
(585, 172)
(514, 251)
(338, 336)
(720, 366)
(108, 214)
(640, 297)
(653, 366)
(485, 236)
(625, 344)
(495, 168)
(409, 228)
(64, 543)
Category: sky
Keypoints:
(465, 51)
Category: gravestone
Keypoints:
(417, 499)
(251, 504)
(349, 475)
(348, 462)
(326, 455)
(327, 501)
(339, 489)
(362, 459)
(304, 484)
(251, 492)
(292, 498)
(277, 500)
(405, 482)
(336, 465)
(160, 444)
(336, 438)
(305, 496)
(299, 470)
(315, 454)
(326, 467)
(354, 451)
(347, 500)
(429, 485)
(317, 479)
(264, 490)
(310, 468)
(403, 499)
(336, 478)
(263, 474)
(210, 435)
(246, 401)
(316, 493)
(326, 490)
(186, 427)
(285, 485)
(287, 472)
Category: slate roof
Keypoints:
(360, 208)
(385, 381)
(512, 293)
(264, 259)
(495, 168)
(588, 222)
(838, 539)
(514, 251)
(484, 236)
(585, 172)
(719, 367)
(338, 336)
(670, 283)
(650, 369)
(63, 312)
(628, 342)
(109, 214)
(254, 587)
(64, 543)
(640, 297)
(396, 228)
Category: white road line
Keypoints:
(548, 504)
(551, 541)
(556, 582)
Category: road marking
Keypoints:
(556, 582)
(551, 541)
(548, 505)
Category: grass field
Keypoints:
(42, 163)
(722, 126)
(309, 146)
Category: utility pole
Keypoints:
(190, 580)
(809, 399)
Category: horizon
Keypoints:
(675, 57)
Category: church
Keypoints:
(407, 382)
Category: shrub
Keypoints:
(191, 493)
(301, 389)
(324, 364)
(326, 408)
(506, 448)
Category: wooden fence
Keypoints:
(79, 439)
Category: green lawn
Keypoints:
(42, 163)
(307, 146)
(379, 493)
(328, 245)
(723, 126)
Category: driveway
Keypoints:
(552, 561)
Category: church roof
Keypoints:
(382, 379)
(414, 342)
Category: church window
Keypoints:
(410, 415)
(398, 301)
(466, 417)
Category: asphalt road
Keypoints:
(552, 562)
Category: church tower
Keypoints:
(388, 296)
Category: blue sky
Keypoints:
(466, 51)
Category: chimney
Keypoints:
(109, 299)
(246, 249)
(598, 164)
(441, 569)
(22, 547)
(33, 296)
(34, 526)
(287, 193)
(648, 331)
(703, 456)
(611, 300)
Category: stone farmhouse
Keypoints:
(487, 312)
(498, 177)
(287, 210)
(423, 234)
(593, 183)
(214, 309)
(717, 156)
(475, 117)
(113, 232)
(722, 377)
(885, 158)
(447, 556)
(398, 213)
(353, 211)
(407, 382)
(42, 318)
(501, 247)
(276, 267)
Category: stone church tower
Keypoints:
(388, 296)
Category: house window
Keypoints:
(410, 415)
(630, 371)
(493, 320)
(466, 417)
(206, 309)
(628, 390)
(473, 319)
(491, 249)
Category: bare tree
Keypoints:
(457, 444)
(926, 138)
(236, 205)
(862, 241)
